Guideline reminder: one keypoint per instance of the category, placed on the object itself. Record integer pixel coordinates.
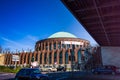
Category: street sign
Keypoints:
(15, 58)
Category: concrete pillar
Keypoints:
(8, 55)
(47, 57)
(10, 59)
(52, 57)
(63, 56)
(35, 55)
(7, 59)
(56, 45)
(26, 58)
(20, 58)
(52, 45)
(23, 58)
(58, 52)
(44, 46)
(30, 57)
(42, 58)
(76, 55)
(48, 44)
(41, 46)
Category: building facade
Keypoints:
(61, 48)
(2, 59)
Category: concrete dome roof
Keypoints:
(62, 35)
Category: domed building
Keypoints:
(62, 48)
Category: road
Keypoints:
(68, 76)
(6, 76)
(82, 76)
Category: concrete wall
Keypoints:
(111, 56)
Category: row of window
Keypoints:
(59, 46)
(48, 60)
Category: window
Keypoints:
(59, 45)
(68, 45)
(41, 58)
(36, 58)
(46, 46)
(28, 58)
(50, 47)
(60, 58)
(79, 56)
(73, 46)
(54, 45)
(45, 58)
(36, 71)
(66, 57)
(63, 45)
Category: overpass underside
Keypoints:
(101, 18)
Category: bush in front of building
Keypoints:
(9, 69)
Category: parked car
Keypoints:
(30, 74)
(48, 68)
(61, 68)
(106, 69)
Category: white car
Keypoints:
(48, 68)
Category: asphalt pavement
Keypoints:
(68, 76)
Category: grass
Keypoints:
(9, 69)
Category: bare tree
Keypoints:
(7, 50)
(1, 49)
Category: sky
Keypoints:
(23, 22)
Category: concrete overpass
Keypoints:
(101, 18)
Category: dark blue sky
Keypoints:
(23, 22)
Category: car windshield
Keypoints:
(36, 71)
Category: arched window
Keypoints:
(46, 46)
(68, 46)
(54, 45)
(50, 58)
(66, 57)
(45, 58)
(24, 58)
(59, 45)
(63, 45)
(60, 58)
(79, 56)
(50, 46)
(72, 55)
(21, 58)
(28, 58)
(39, 46)
(55, 57)
(36, 57)
(41, 58)
(9, 59)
